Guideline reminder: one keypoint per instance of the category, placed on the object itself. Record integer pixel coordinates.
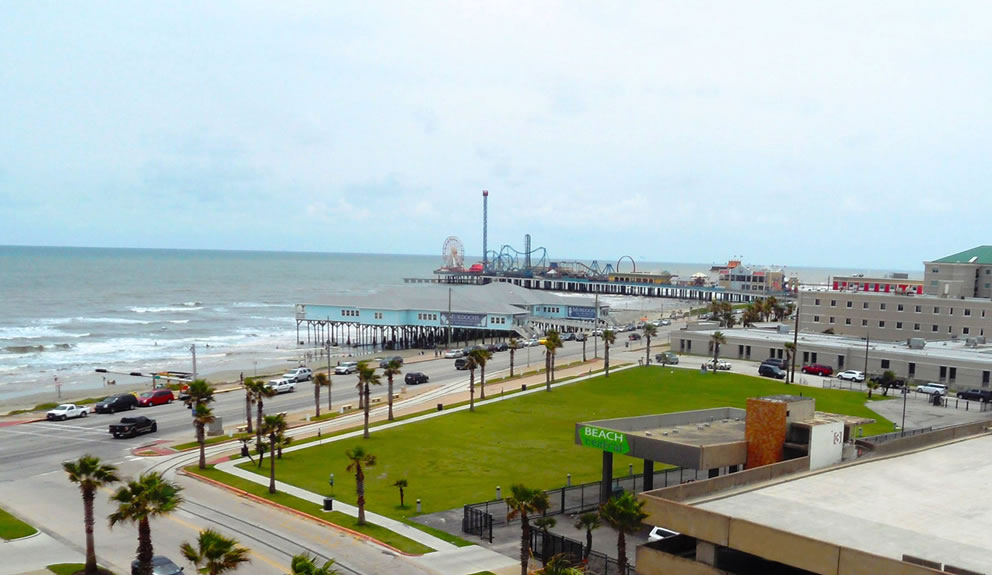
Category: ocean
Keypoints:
(66, 311)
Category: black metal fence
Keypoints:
(882, 438)
(478, 523)
(544, 546)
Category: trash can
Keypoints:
(440, 407)
(936, 399)
(328, 503)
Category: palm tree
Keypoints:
(202, 416)
(751, 315)
(790, 352)
(391, 369)
(139, 501)
(513, 345)
(716, 339)
(650, 330)
(273, 426)
(307, 565)
(552, 341)
(560, 565)
(470, 365)
(359, 459)
(366, 378)
(214, 554)
(320, 380)
(481, 356)
(770, 304)
(401, 483)
(624, 515)
(91, 475)
(588, 521)
(249, 401)
(608, 338)
(259, 392)
(521, 502)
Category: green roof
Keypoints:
(979, 255)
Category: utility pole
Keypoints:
(867, 341)
(595, 342)
(192, 349)
(795, 338)
(449, 317)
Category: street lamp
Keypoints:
(192, 349)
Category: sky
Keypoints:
(845, 134)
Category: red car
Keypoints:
(817, 369)
(157, 397)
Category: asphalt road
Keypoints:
(33, 485)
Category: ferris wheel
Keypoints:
(453, 253)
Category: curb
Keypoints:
(297, 512)
(12, 423)
(36, 533)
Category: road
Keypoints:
(35, 487)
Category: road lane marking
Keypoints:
(60, 438)
(197, 529)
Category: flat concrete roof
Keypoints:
(934, 504)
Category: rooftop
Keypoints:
(976, 255)
(932, 504)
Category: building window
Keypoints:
(898, 325)
(948, 329)
(935, 270)
(899, 307)
(831, 319)
(833, 303)
(919, 309)
(850, 304)
(965, 330)
(881, 323)
(916, 327)
(816, 319)
(847, 321)
(953, 374)
(864, 305)
(943, 373)
(950, 311)
(881, 306)
(885, 364)
(816, 302)
(936, 310)
(912, 370)
(933, 328)
(985, 378)
(864, 323)
(967, 312)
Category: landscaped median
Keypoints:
(461, 457)
(13, 528)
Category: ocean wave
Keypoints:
(36, 332)
(190, 304)
(164, 309)
(117, 320)
(178, 321)
(22, 349)
(257, 304)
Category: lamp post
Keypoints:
(905, 392)
(192, 349)
(327, 348)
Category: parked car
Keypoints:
(580, 336)
(133, 426)
(115, 403)
(281, 385)
(568, 336)
(776, 361)
(299, 374)
(160, 566)
(932, 388)
(532, 342)
(597, 333)
(416, 377)
(383, 363)
(184, 392)
(667, 358)
(769, 370)
(659, 533)
(502, 346)
(976, 395)
(453, 354)
(666, 322)
(66, 411)
(461, 363)
(346, 367)
(157, 397)
(851, 375)
(492, 348)
(818, 369)
(721, 364)
(634, 336)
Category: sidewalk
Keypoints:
(31, 554)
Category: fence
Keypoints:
(545, 545)
(876, 439)
(568, 499)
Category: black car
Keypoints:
(415, 377)
(385, 362)
(492, 348)
(115, 403)
(502, 346)
(160, 566)
(769, 370)
(976, 395)
(461, 363)
(777, 362)
(568, 336)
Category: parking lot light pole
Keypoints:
(905, 392)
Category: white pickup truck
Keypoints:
(281, 385)
(67, 411)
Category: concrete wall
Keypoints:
(702, 488)
(926, 439)
(650, 561)
(826, 444)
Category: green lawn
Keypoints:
(13, 528)
(388, 537)
(461, 458)
(211, 441)
(72, 568)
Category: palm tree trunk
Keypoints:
(316, 399)
(512, 350)
(365, 395)
(647, 352)
(606, 358)
(583, 351)
(88, 496)
(145, 549)
(401, 497)
(272, 463)
(585, 553)
(471, 390)
(360, 488)
(258, 423)
(547, 371)
(524, 543)
(390, 417)
(248, 413)
(482, 382)
(621, 552)
(203, 444)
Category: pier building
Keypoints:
(427, 315)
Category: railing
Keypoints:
(546, 545)
(477, 523)
(876, 439)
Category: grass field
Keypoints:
(461, 458)
(13, 528)
(72, 568)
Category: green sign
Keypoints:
(605, 439)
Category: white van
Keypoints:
(932, 388)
